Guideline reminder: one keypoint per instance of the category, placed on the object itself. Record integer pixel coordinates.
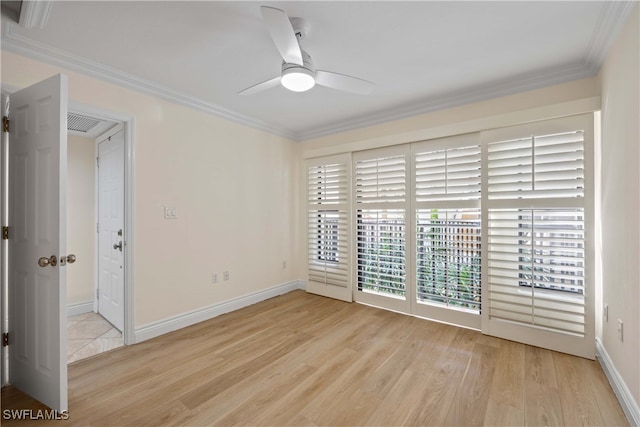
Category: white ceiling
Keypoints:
(422, 55)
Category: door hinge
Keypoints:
(98, 161)
(5, 232)
(5, 339)
(5, 124)
(98, 227)
(97, 293)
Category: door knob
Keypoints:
(118, 246)
(71, 258)
(44, 261)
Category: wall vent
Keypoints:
(80, 123)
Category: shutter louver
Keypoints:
(448, 239)
(536, 267)
(548, 166)
(448, 257)
(381, 196)
(448, 174)
(381, 180)
(328, 223)
(536, 240)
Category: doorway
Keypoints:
(96, 210)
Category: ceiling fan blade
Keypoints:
(344, 82)
(268, 84)
(282, 33)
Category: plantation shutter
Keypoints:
(539, 215)
(447, 184)
(328, 232)
(381, 203)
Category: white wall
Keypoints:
(234, 189)
(621, 201)
(81, 225)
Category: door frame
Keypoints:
(4, 244)
(128, 123)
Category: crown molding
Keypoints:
(504, 87)
(610, 23)
(17, 43)
(35, 14)
(614, 15)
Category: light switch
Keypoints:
(170, 213)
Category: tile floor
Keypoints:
(89, 334)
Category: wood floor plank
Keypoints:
(509, 376)
(448, 369)
(579, 406)
(501, 414)
(301, 359)
(607, 403)
(542, 396)
(469, 404)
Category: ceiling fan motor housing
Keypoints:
(307, 64)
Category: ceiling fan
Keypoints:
(298, 73)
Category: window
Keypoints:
(448, 227)
(380, 193)
(327, 216)
(448, 257)
(552, 244)
(486, 230)
(536, 235)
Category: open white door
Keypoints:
(37, 241)
(111, 229)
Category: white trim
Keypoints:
(627, 402)
(4, 282)
(505, 87)
(79, 308)
(563, 109)
(35, 14)
(33, 49)
(612, 19)
(610, 23)
(129, 199)
(155, 329)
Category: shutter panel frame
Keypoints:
(564, 322)
(328, 226)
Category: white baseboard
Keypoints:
(155, 329)
(80, 308)
(628, 403)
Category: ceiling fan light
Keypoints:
(298, 79)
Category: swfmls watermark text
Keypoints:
(34, 414)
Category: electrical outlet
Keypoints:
(620, 330)
(214, 278)
(225, 276)
(605, 312)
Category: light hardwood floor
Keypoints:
(300, 359)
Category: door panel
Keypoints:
(37, 220)
(111, 220)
